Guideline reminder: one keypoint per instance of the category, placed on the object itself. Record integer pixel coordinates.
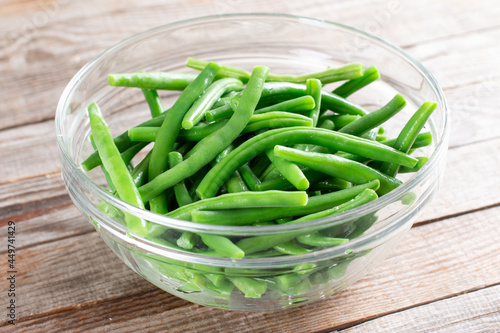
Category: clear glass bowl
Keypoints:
(288, 45)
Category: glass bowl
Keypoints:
(289, 45)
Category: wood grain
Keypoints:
(427, 266)
(28, 53)
(28, 151)
(477, 311)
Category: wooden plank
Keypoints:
(471, 180)
(28, 151)
(473, 109)
(31, 197)
(477, 311)
(30, 52)
(433, 262)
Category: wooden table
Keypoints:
(443, 277)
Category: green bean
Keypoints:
(251, 288)
(181, 193)
(260, 243)
(422, 140)
(362, 224)
(290, 171)
(118, 172)
(154, 102)
(242, 200)
(187, 240)
(337, 271)
(221, 112)
(217, 279)
(273, 91)
(375, 118)
(336, 166)
(327, 124)
(103, 169)
(169, 130)
(313, 88)
(250, 179)
(345, 90)
(302, 103)
(346, 72)
(291, 248)
(408, 134)
(152, 80)
(207, 100)
(222, 245)
(140, 172)
(262, 142)
(248, 215)
(122, 142)
(330, 184)
(225, 289)
(421, 162)
(316, 239)
(276, 119)
(288, 282)
(224, 137)
(340, 120)
(225, 71)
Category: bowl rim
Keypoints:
(415, 180)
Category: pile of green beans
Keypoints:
(254, 149)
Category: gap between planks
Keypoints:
(462, 303)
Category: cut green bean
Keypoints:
(339, 167)
(248, 215)
(346, 72)
(375, 118)
(291, 248)
(273, 91)
(118, 172)
(299, 104)
(140, 172)
(207, 100)
(421, 162)
(221, 112)
(242, 200)
(408, 134)
(154, 102)
(350, 87)
(251, 288)
(222, 245)
(225, 71)
(251, 180)
(316, 239)
(313, 88)
(290, 171)
(181, 192)
(152, 80)
(327, 124)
